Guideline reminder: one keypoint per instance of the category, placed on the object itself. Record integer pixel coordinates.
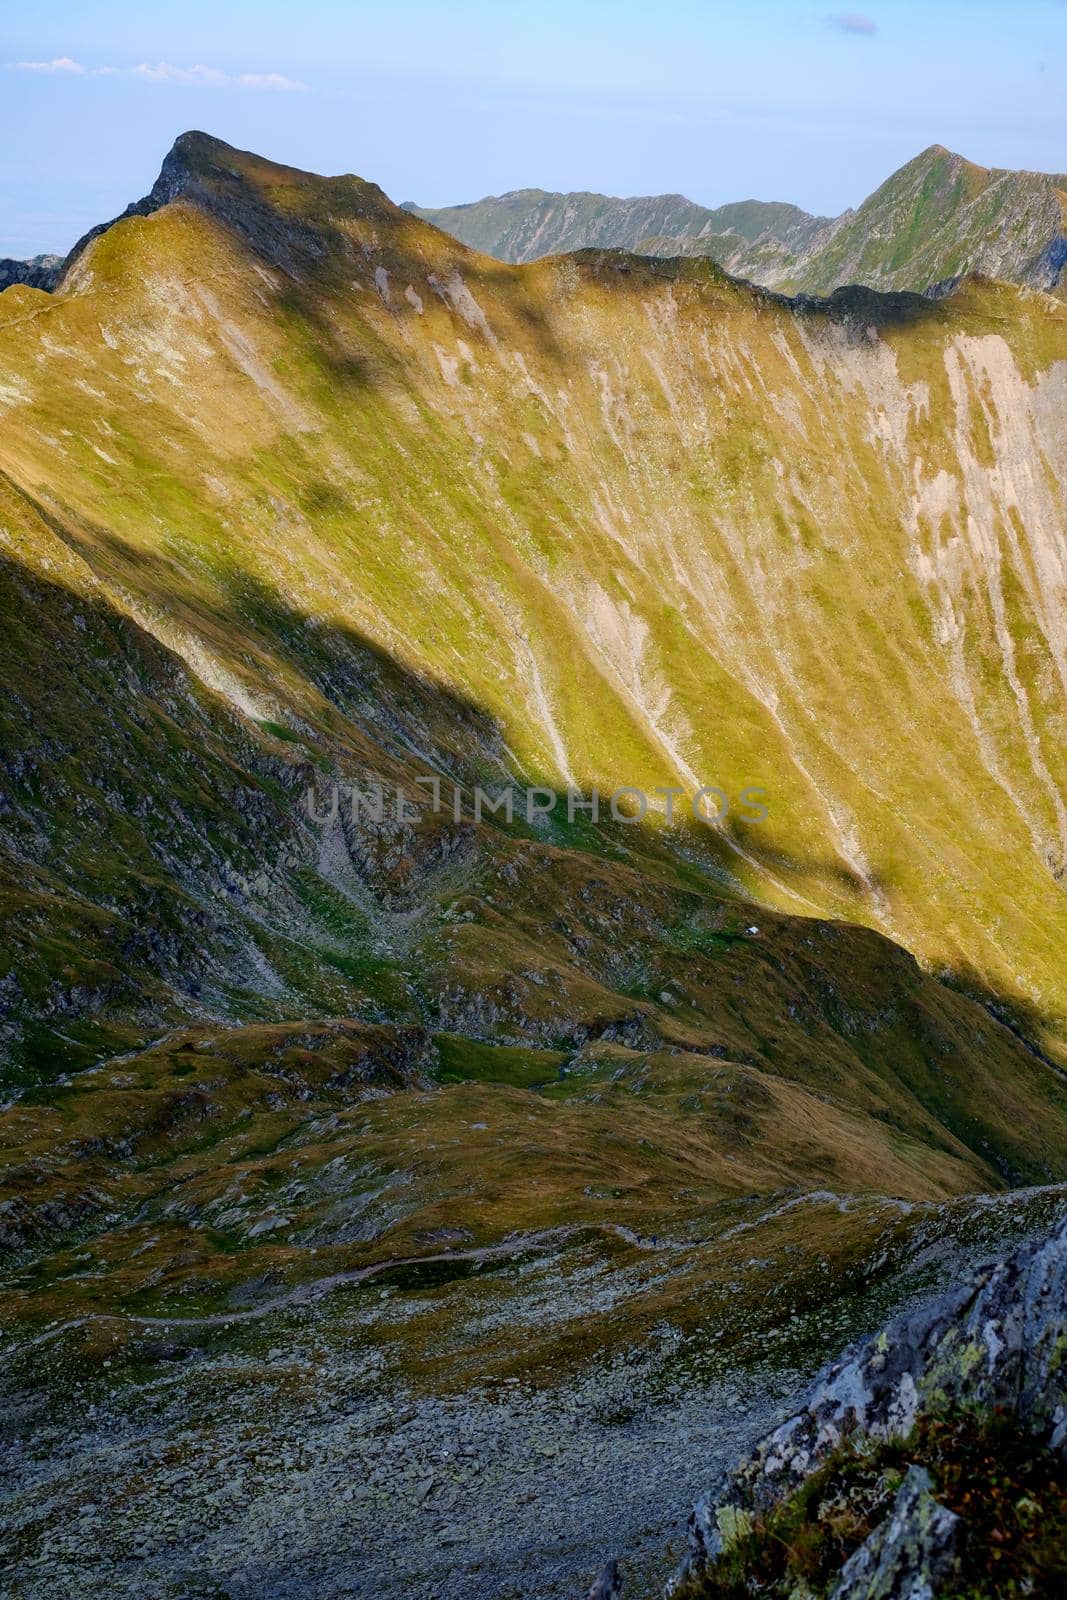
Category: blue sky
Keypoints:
(441, 102)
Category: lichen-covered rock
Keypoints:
(908, 1554)
(999, 1340)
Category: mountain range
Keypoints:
(936, 219)
(356, 1166)
(40, 272)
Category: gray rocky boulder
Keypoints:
(607, 1584)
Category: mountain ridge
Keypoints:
(324, 235)
(39, 272)
(526, 223)
(938, 217)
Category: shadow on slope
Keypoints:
(174, 823)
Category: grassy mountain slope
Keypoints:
(157, 866)
(295, 487)
(939, 217)
(594, 498)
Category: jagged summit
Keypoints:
(935, 153)
(39, 272)
(194, 146)
(942, 217)
(198, 156)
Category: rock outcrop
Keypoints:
(912, 1549)
(997, 1343)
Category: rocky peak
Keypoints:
(284, 214)
(40, 272)
(192, 156)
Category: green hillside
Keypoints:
(938, 218)
(528, 223)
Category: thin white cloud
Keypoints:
(197, 76)
(165, 72)
(853, 22)
(269, 80)
(60, 64)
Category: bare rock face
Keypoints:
(998, 1342)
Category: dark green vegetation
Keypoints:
(1011, 1497)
